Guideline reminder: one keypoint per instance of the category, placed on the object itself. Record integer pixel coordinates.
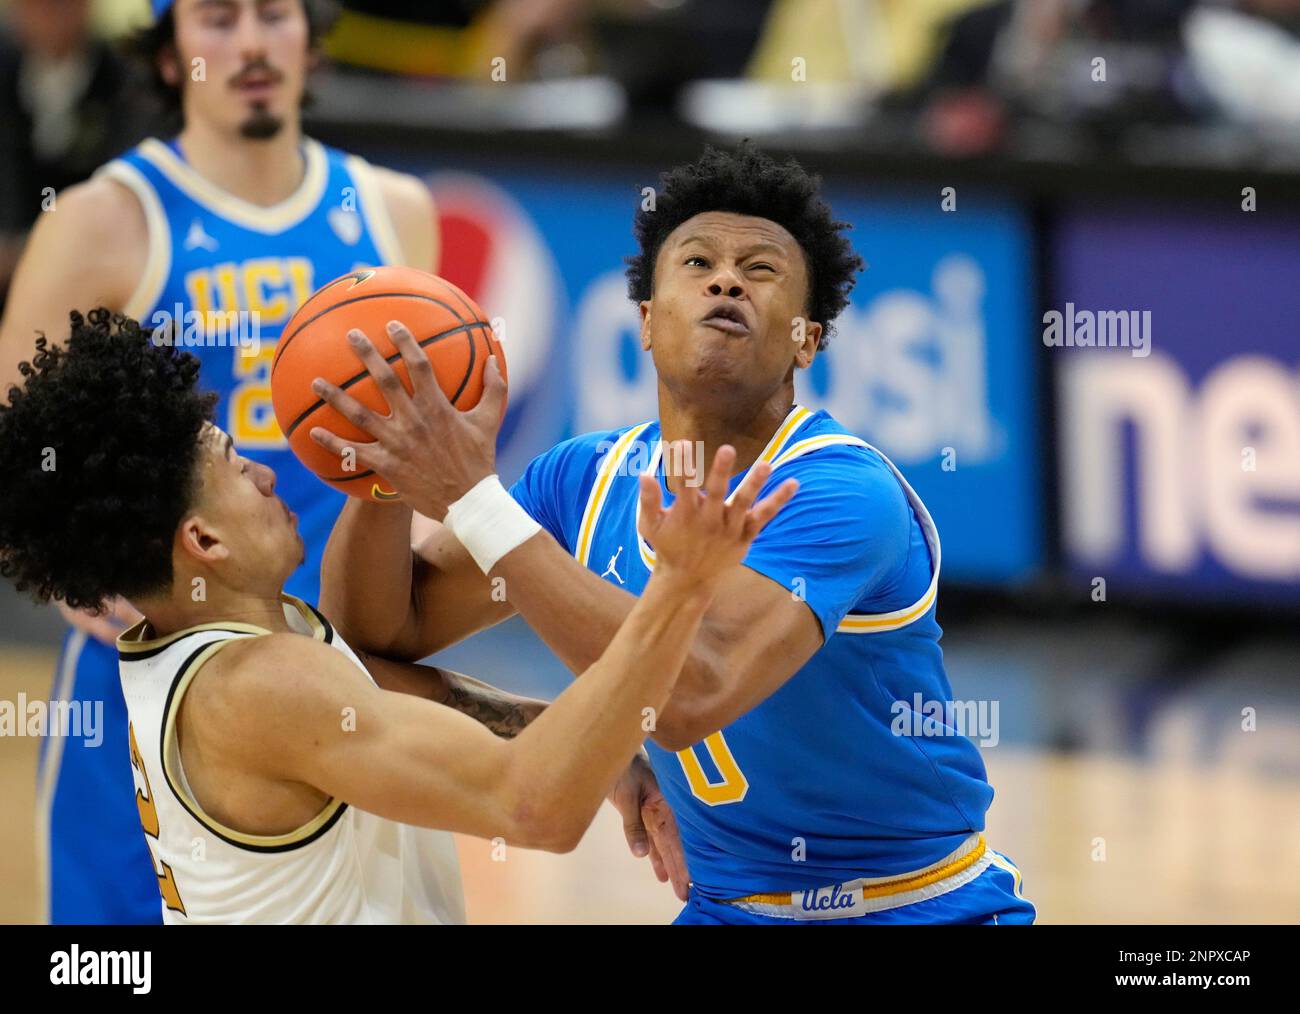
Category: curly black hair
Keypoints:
(99, 450)
(748, 182)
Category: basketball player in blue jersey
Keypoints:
(799, 794)
(225, 229)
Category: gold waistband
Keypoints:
(886, 888)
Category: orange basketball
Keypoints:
(448, 325)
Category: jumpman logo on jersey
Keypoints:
(197, 239)
(613, 562)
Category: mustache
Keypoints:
(256, 67)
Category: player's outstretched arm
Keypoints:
(305, 714)
(648, 822)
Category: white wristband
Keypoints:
(489, 523)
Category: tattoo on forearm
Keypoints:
(501, 713)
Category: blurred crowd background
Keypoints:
(1212, 82)
(1121, 532)
(1195, 80)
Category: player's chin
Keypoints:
(726, 364)
(292, 555)
(261, 124)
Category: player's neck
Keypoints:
(178, 612)
(262, 172)
(708, 425)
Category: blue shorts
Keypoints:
(98, 868)
(991, 899)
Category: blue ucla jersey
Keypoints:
(215, 259)
(821, 782)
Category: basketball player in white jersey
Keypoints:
(280, 780)
(237, 212)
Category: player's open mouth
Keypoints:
(728, 319)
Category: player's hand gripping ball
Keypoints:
(448, 325)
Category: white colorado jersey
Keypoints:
(343, 866)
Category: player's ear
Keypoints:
(644, 307)
(200, 542)
(808, 337)
(169, 68)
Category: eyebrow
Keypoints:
(763, 245)
(208, 5)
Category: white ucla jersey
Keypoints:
(343, 866)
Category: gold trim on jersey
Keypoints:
(608, 468)
(176, 781)
(876, 623)
(375, 212)
(1006, 865)
(899, 890)
(780, 450)
(267, 220)
(795, 418)
(138, 639)
(158, 261)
